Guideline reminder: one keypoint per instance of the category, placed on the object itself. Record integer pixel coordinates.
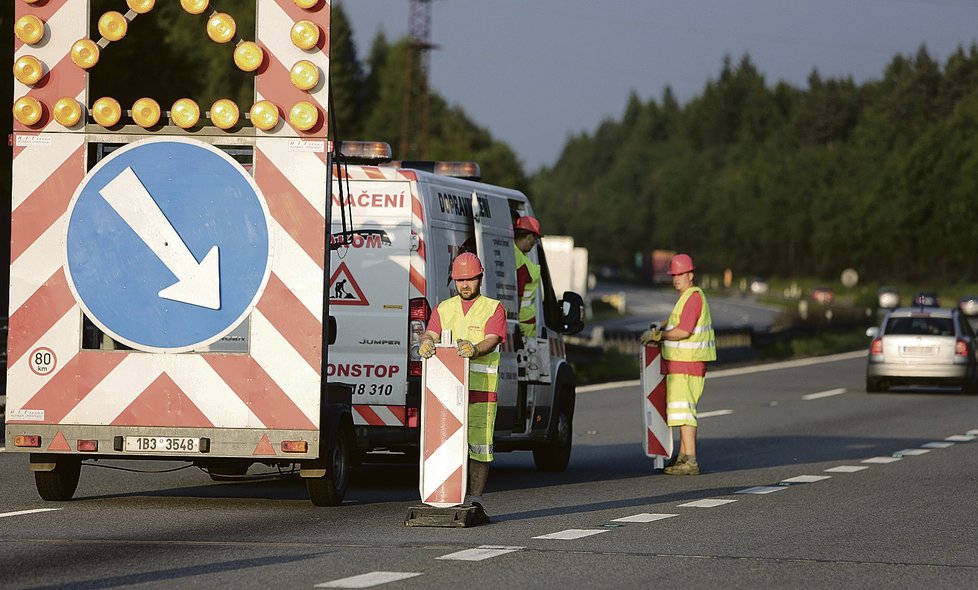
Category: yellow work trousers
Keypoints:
(682, 394)
(482, 420)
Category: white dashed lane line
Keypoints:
(368, 580)
(714, 413)
(937, 445)
(961, 438)
(571, 534)
(23, 512)
(846, 469)
(761, 490)
(644, 517)
(912, 452)
(822, 394)
(480, 553)
(707, 503)
(806, 479)
(881, 460)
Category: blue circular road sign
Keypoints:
(168, 244)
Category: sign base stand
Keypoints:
(452, 517)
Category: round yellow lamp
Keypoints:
(106, 111)
(84, 53)
(264, 115)
(307, 4)
(27, 110)
(113, 26)
(67, 111)
(304, 75)
(305, 34)
(28, 70)
(224, 113)
(221, 27)
(146, 112)
(141, 6)
(303, 116)
(195, 6)
(185, 113)
(29, 29)
(248, 56)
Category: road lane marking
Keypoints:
(707, 503)
(912, 452)
(480, 553)
(23, 512)
(644, 517)
(821, 394)
(937, 445)
(760, 490)
(881, 460)
(806, 479)
(571, 534)
(714, 413)
(961, 438)
(368, 580)
(846, 469)
(972, 433)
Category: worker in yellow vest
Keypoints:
(688, 343)
(526, 235)
(478, 325)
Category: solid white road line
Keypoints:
(707, 503)
(912, 452)
(846, 469)
(571, 534)
(881, 460)
(821, 394)
(23, 512)
(806, 479)
(760, 490)
(937, 445)
(645, 517)
(368, 580)
(480, 553)
(714, 413)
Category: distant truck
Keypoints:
(567, 263)
(655, 266)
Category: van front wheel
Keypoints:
(555, 454)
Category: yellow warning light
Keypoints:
(195, 6)
(307, 4)
(28, 70)
(303, 116)
(146, 112)
(224, 113)
(27, 110)
(106, 111)
(248, 56)
(264, 115)
(113, 26)
(221, 27)
(29, 29)
(141, 6)
(84, 53)
(304, 75)
(67, 111)
(305, 34)
(185, 113)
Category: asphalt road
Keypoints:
(889, 503)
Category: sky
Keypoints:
(535, 72)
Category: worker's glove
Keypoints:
(465, 348)
(427, 348)
(650, 336)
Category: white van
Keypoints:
(411, 219)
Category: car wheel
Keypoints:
(59, 484)
(329, 489)
(555, 455)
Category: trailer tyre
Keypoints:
(555, 455)
(330, 489)
(59, 484)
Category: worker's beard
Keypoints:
(471, 294)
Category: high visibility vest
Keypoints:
(528, 298)
(701, 344)
(471, 326)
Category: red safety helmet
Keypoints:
(466, 266)
(681, 263)
(528, 223)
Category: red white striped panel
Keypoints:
(444, 420)
(657, 441)
(419, 286)
(364, 415)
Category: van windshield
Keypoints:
(920, 327)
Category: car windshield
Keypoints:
(920, 326)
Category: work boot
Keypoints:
(479, 516)
(680, 458)
(687, 467)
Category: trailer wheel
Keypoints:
(59, 484)
(555, 455)
(330, 489)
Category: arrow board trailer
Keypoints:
(167, 286)
(389, 275)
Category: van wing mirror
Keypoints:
(331, 331)
(571, 313)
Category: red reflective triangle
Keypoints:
(60, 443)
(264, 446)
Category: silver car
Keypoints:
(922, 346)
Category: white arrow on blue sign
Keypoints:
(168, 244)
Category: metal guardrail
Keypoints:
(733, 344)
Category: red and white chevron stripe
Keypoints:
(444, 423)
(276, 385)
(365, 415)
(658, 436)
